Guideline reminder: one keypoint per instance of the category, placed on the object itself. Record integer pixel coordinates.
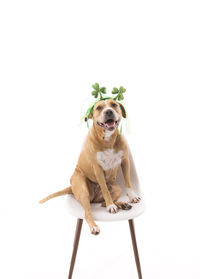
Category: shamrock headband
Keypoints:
(98, 91)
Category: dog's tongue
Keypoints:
(109, 123)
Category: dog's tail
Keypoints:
(66, 191)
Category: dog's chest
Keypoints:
(109, 159)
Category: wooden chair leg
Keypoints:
(135, 249)
(76, 242)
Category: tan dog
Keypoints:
(103, 152)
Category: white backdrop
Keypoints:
(50, 54)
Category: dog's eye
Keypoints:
(114, 105)
(99, 107)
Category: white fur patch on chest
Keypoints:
(109, 159)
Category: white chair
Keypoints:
(100, 214)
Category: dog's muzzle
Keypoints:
(110, 121)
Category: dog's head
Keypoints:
(107, 114)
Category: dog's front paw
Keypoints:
(112, 208)
(95, 230)
(125, 206)
(133, 197)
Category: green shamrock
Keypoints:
(98, 91)
(119, 92)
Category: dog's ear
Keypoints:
(89, 116)
(123, 110)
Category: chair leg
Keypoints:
(135, 249)
(76, 242)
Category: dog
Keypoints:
(105, 149)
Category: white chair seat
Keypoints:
(100, 213)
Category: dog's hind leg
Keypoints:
(81, 193)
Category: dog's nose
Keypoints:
(109, 112)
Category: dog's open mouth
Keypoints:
(109, 124)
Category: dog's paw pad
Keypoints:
(126, 206)
(95, 230)
(112, 208)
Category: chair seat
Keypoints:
(100, 213)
